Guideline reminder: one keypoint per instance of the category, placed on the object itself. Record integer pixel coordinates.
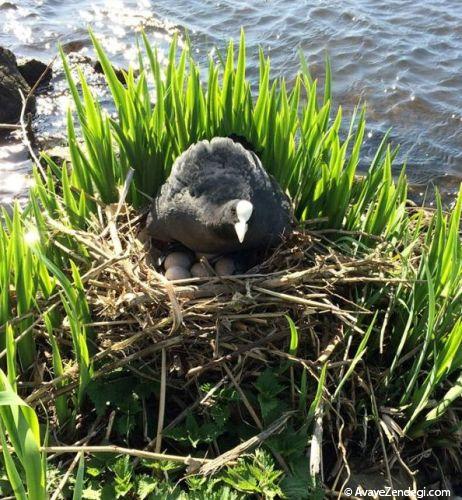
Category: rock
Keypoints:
(32, 70)
(59, 154)
(8, 6)
(11, 81)
(73, 46)
(118, 72)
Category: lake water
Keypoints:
(403, 57)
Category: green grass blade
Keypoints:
(79, 480)
(11, 470)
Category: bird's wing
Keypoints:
(217, 170)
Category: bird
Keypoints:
(220, 199)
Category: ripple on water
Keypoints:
(15, 172)
(402, 56)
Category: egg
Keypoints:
(177, 259)
(198, 270)
(224, 266)
(177, 273)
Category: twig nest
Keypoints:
(178, 259)
(198, 270)
(225, 266)
(177, 273)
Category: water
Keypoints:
(402, 57)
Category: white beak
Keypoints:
(241, 229)
(244, 211)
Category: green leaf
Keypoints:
(293, 337)
(79, 482)
(13, 474)
(362, 348)
(146, 485)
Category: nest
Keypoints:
(225, 329)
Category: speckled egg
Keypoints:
(177, 273)
(224, 266)
(198, 270)
(177, 259)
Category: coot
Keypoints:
(219, 199)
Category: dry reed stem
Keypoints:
(217, 463)
(316, 444)
(192, 462)
(161, 415)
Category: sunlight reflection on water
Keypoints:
(401, 57)
(15, 172)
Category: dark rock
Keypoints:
(32, 70)
(73, 46)
(119, 73)
(8, 6)
(11, 81)
(59, 154)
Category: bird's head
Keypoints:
(237, 213)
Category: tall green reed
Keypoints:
(19, 422)
(292, 131)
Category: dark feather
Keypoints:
(189, 207)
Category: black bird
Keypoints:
(219, 199)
